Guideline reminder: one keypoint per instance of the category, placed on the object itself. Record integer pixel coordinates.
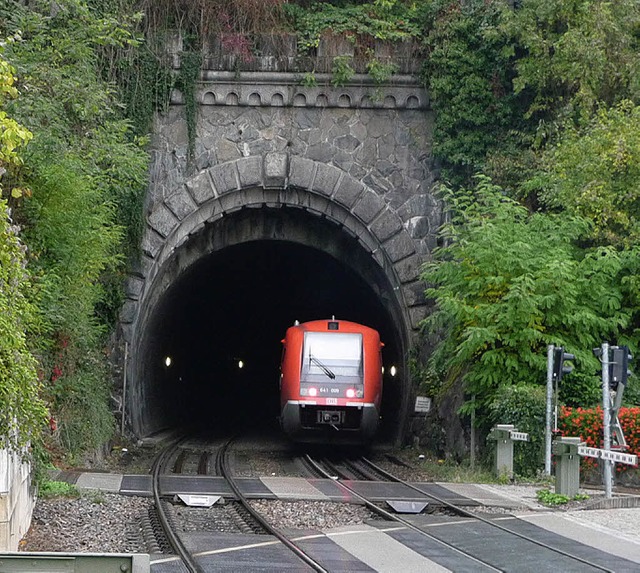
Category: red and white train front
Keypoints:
(331, 382)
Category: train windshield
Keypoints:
(332, 355)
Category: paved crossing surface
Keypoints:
(380, 546)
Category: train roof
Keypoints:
(332, 324)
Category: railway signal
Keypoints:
(619, 368)
(559, 367)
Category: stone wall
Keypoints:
(356, 156)
(377, 136)
(16, 500)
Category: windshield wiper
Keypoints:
(322, 366)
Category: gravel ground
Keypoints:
(103, 522)
(95, 522)
(312, 514)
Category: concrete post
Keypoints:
(504, 449)
(567, 460)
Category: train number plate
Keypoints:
(332, 401)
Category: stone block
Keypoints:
(129, 311)
(418, 227)
(250, 172)
(162, 220)
(386, 225)
(256, 196)
(348, 191)
(326, 178)
(368, 206)
(201, 187)
(301, 172)
(133, 287)
(416, 315)
(225, 177)
(151, 242)
(180, 203)
(276, 167)
(414, 293)
(399, 246)
(408, 269)
(232, 202)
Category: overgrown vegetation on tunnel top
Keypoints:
(536, 135)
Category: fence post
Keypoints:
(501, 433)
(567, 461)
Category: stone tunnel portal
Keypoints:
(233, 290)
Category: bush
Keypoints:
(586, 423)
(524, 406)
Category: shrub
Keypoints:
(524, 407)
(586, 423)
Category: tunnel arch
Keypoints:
(297, 205)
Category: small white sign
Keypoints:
(619, 457)
(519, 436)
(199, 500)
(423, 404)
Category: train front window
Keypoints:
(334, 356)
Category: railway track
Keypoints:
(451, 531)
(345, 470)
(178, 460)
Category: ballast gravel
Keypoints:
(94, 522)
(311, 514)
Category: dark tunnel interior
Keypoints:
(221, 324)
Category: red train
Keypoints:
(331, 382)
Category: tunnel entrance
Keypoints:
(208, 355)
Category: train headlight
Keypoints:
(351, 393)
(168, 361)
(303, 392)
(360, 393)
(313, 391)
(240, 364)
(393, 371)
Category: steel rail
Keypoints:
(390, 516)
(260, 519)
(466, 513)
(174, 540)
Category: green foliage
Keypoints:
(13, 136)
(575, 55)
(309, 80)
(382, 20)
(594, 171)
(341, 70)
(547, 497)
(508, 283)
(22, 413)
(468, 73)
(48, 489)
(381, 72)
(85, 421)
(87, 173)
(190, 65)
(524, 406)
(550, 498)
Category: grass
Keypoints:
(50, 488)
(547, 497)
(461, 472)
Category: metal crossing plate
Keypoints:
(407, 506)
(199, 500)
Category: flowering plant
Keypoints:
(586, 423)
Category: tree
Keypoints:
(22, 413)
(507, 284)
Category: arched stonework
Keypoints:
(276, 180)
(346, 173)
